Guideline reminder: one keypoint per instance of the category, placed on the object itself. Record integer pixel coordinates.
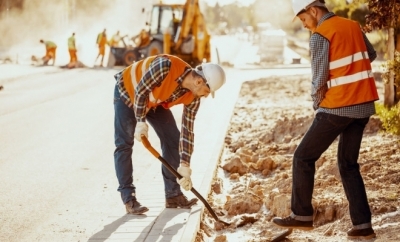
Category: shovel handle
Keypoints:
(148, 146)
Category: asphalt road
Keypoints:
(56, 155)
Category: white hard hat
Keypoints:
(299, 5)
(213, 74)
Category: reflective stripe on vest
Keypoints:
(348, 60)
(135, 81)
(349, 79)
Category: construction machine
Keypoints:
(175, 29)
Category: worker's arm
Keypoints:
(153, 77)
(319, 48)
(370, 49)
(186, 141)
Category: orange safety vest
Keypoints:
(134, 73)
(351, 80)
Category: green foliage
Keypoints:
(390, 118)
(355, 10)
(342, 12)
(393, 65)
(359, 15)
(383, 14)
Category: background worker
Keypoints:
(343, 94)
(115, 40)
(101, 43)
(51, 48)
(72, 51)
(144, 92)
(142, 39)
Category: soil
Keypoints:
(253, 180)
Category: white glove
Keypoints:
(185, 181)
(141, 129)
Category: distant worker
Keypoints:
(144, 38)
(174, 24)
(72, 51)
(51, 48)
(115, 40)
(101, 43)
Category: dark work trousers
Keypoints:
(163, 122)
(321, 134)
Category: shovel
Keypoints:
(148, 146)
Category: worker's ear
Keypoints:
(198, 81)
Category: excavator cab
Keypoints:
(165, 20)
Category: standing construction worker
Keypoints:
(101, 43)
(144, 92)
(72, 51)
(115, 39)
(51, 48)
(343, 93)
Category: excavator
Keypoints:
(176, 29)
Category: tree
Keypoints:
(384, 14)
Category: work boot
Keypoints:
(361, 233)
(134, 207)
(180, 201)
(291, 223)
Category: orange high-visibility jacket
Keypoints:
(134, 73)
(101, 39)
(350, 74)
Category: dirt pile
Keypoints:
(253, 181)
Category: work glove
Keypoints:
(185, 181)
(141, 129)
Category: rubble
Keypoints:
(253, 181)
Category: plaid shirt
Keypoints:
(155, 74)
(319, 47)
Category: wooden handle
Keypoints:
(148, 146)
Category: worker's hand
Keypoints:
(141, 129)
(185, 181)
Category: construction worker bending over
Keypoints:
(144, 93)
(343, 93)
(72, 51)
(51, 48)
(101, 43)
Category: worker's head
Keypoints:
(41, 41)
(309, 12)
(73, 34)
(212, 75)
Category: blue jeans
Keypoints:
(321, 134)
(163, 122)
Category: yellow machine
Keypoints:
(176, 29)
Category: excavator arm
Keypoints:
(193, 28)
